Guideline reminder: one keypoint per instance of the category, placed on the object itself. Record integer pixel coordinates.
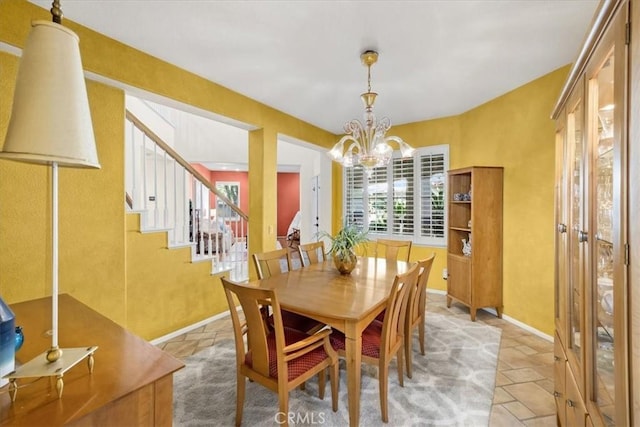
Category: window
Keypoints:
(232, 191)
(404, 200)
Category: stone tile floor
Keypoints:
(523, 393)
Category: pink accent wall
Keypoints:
(288, 200)
(242, 178)
(203, 170)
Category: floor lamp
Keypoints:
(51, 124)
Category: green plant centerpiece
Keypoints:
(343, 245)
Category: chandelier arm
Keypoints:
(345, 139)
(355, 144)
(395, 139)
(383, 125)
(405, 148)
(354, 127)
(337, 153)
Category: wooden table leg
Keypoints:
(354, 358)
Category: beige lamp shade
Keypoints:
(50, 120)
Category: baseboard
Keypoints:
(509, 319)
(189, 328)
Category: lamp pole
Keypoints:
(54, 353)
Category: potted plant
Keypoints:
(343, 245)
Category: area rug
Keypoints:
(452, 385)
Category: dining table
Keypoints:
(346, 302)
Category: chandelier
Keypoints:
(367, 144)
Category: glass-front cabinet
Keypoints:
(592, 364)
(603, 289)
(577, 233)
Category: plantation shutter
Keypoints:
(432, 197)
(378, 196)
(354, 196)
(402, 202)
(405, 199)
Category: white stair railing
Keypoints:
(172, 196)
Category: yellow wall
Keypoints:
(104, 261)
(129, 277)
(90, 221)
(515, 131)
(165, 291)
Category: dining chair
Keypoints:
(381, 341)
(416, 314)
(272, 262)
(276, 262)
(274, 356)
(393, 250)
(312, 252)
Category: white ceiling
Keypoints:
(437, 57)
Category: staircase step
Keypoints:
(154, 230)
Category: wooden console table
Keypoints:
(131, 384)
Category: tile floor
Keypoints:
(523, 394)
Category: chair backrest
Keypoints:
(272, 263)
(255, 327)
(313, 252)
(418, 294)
(393, 250)
(394, 318)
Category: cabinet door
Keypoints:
(559, 388)
(459, 279)
(606, 350)
(576, 411)
(577, 230)
(561, 237)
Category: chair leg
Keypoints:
(283, 397)
(400, 366)
(421, 335)
(407, 351)
(383, 381)
(240, 391)
(334, 377)
(321, 383)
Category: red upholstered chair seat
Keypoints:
(278, 262)
(371, 339)
(296, 367)
(298, 321)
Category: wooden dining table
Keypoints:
(346, 302)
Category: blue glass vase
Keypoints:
(7, 341)
(19, 337)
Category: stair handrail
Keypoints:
(172, 153)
